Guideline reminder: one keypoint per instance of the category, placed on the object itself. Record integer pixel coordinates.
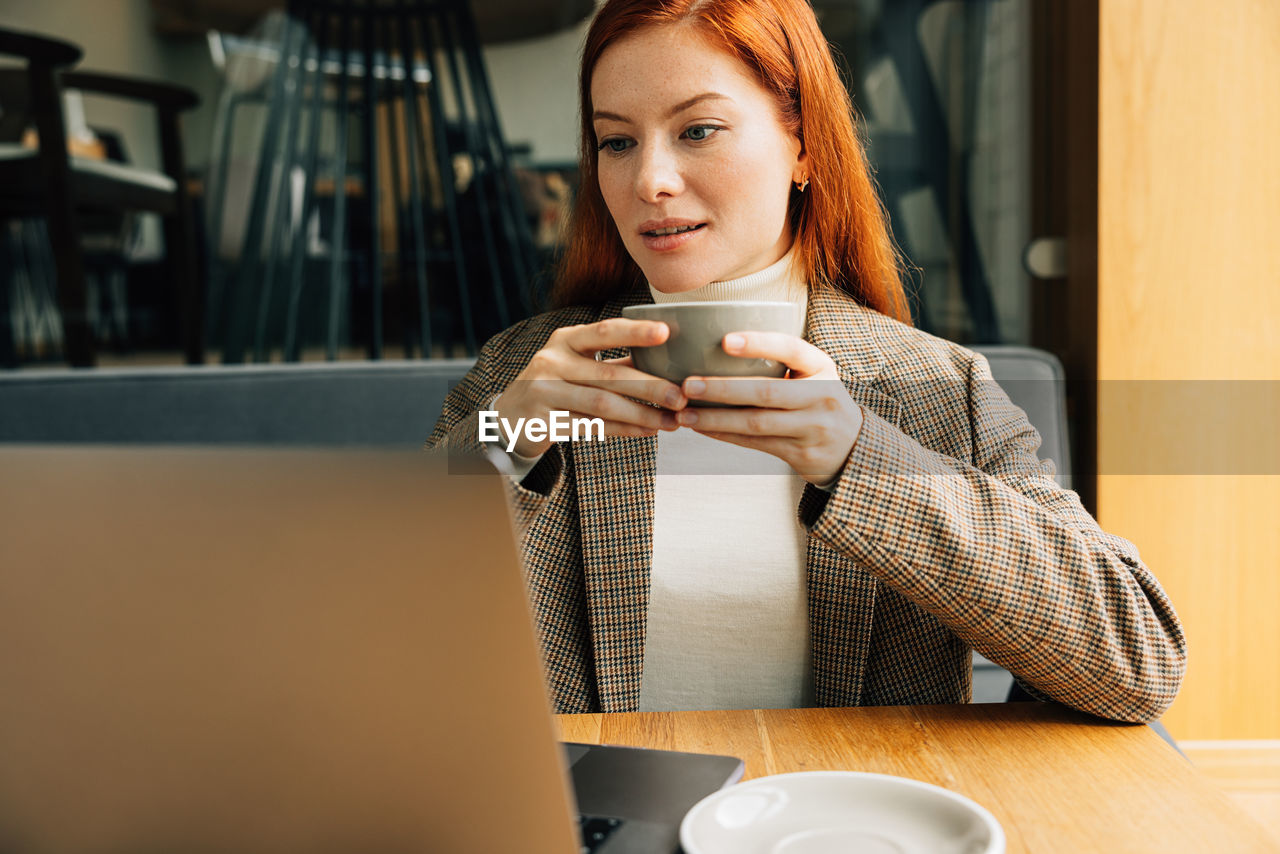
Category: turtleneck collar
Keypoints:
(782, 281)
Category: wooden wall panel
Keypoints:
(1189, 289)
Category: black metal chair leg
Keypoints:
(417, 220)
(298, 250)
(8, 346)
(371, 188)
(444, 163)
(283, 173)
(266, 188)
(339, 279)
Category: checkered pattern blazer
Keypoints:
(944, 534)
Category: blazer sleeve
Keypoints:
(1009, 560)
(457, 431)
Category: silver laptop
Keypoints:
(261, 651)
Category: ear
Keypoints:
(801, 170)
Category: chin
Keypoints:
(669, 283)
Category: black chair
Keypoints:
(48, 183)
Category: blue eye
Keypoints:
(616, 145)
(700, 133)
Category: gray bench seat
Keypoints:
(379, 404)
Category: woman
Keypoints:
(720, 161)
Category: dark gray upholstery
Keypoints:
(384, 404)
(338, 403)
(1035, 381)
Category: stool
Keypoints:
(419, 171)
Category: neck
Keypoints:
(781, 281)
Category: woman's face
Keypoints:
(689, 140)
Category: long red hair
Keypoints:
(840, 226)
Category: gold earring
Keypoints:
(801, 185)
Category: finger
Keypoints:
(760, 423)
(799, 355)
(620, 377)
(557, 367)
(783, 449)
(591, 338)
(760, 392)
(610, 406)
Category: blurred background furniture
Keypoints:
(941, 87)
(48, 183)
(497, 21)
(930, 163)
(390, 403)
(373, 198)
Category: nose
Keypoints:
(658, 174)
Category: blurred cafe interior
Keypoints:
(295, 222)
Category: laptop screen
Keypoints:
(261, 650)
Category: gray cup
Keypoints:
(697, 330)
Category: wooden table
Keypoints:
(1057, 780)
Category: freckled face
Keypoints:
(695, 166)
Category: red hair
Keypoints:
(840, 226)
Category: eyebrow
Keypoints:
(678, 108)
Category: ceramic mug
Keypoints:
(694, 347)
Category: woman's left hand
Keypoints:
(808, 420)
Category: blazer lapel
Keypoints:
(615, 501)
(842, 595)
(615, 481)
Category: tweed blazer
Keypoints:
(944, 534)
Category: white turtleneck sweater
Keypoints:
(728, 623)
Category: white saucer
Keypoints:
(838, 812)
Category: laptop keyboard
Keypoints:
(595, 830)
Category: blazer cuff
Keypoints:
(882, 461)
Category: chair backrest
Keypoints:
(352, 403)
(44, 58)
(1035, 382)
(379, 404)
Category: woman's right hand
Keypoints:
(566, 375)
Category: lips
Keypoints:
(667, 234)
(670, 225)
(660, 232)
